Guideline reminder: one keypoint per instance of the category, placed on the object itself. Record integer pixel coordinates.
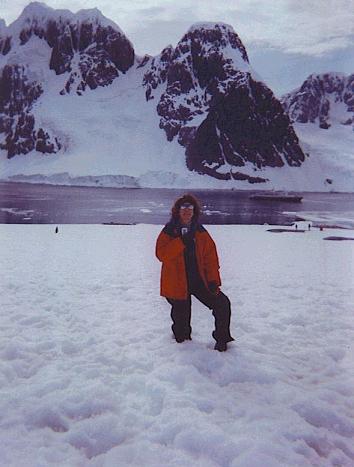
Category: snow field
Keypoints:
(90, 375)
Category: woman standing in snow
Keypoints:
(190, 266)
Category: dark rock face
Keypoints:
(92, 54)
(157, 73)
(102, 52)
(46, 144)
(318, 96)
(17, 124)
(5, 45)
(16, 92)
(348, 95)
(245, 125)
(93, 70)
(103, 55)
(239, 119)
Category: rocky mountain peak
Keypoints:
(103, 50)
(90, 48)
(212, 102)
(206, 61)
(216, 37)
(37, 14)
(34, 10)
(323, 99)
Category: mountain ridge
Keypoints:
(200, 108)
(318, 100)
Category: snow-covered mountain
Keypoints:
(215, 105)
(324, 99)
(76, 101)
(86, 48)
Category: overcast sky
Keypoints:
(315, 33)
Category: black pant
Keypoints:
(181, 314)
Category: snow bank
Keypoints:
(90, 375)
(115, 181)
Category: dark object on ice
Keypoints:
(56, 229)
(285, 230)
(190, 266)
(119, 223)
(338, 238)
(334, 226)
(276, 197)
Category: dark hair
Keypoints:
(187, 198)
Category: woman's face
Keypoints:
(186, 212)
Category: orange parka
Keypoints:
(170, 251)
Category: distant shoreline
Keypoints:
(185, 189)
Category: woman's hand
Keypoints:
(213, 287)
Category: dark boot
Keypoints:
(221, 346)
(179, 339)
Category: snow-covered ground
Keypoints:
(90, 375)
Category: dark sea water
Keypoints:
(22, 203)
